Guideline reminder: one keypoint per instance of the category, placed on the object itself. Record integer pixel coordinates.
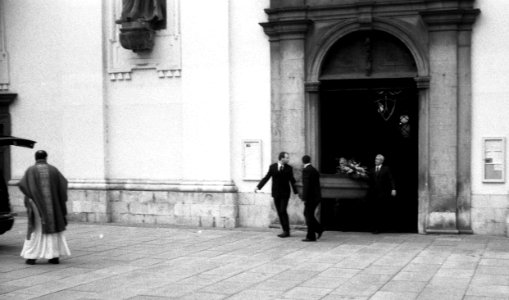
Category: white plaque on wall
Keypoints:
(494, 159)
(252, 159)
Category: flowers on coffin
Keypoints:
(352, 169)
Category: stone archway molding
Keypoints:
(418, 50)
(396, 28)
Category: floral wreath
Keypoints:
(352, 168)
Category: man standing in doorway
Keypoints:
(311, 195)
(282, 178)
(382, 188)
(45, 190)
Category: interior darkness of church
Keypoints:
(359, 119)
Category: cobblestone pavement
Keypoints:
(121, 262)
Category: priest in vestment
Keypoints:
(45, 190)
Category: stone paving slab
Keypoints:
(113, 261)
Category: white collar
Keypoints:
(307, 165)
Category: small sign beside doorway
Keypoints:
(494, 159)
(252, 159)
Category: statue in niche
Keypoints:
(139, 20)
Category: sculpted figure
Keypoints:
(151, 11)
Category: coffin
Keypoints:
(338, 186)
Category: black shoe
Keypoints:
(308, 240)
(284, 234)
(30, 261)
(319, 234)
(54, 261)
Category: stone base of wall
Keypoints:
(258, 210)
(191, 205)
(203, 205)
(215, 205)
(489, 214)
(442, 222)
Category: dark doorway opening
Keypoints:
(359, 119)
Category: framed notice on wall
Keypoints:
(252, 159)
(494, 159)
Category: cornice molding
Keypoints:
(149, 185)
(312, 87)
(364, 9)
(422, 82)
(439, 15)
(286, 29)
(286, 10)
(449, 19)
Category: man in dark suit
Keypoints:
(282, 178)
(311, 195)
(382, 188)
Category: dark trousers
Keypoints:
(281, 203)
(313, 225)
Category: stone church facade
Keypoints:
(179, 130)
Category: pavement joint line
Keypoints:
(475, 271)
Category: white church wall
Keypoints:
(206, 90)
(171, 135)
(144, 127)
(119, 133)
(56, 70)
(250, 101)
(490, 69)
(144, 115)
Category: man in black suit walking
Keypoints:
(382, 188)
(311, 195)
(282, 177)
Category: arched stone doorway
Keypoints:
(438, 36)
(368, 104)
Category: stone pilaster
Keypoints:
(464, 123)
(312, 121)
(446, 136)
(287, 85)
(422, 84)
